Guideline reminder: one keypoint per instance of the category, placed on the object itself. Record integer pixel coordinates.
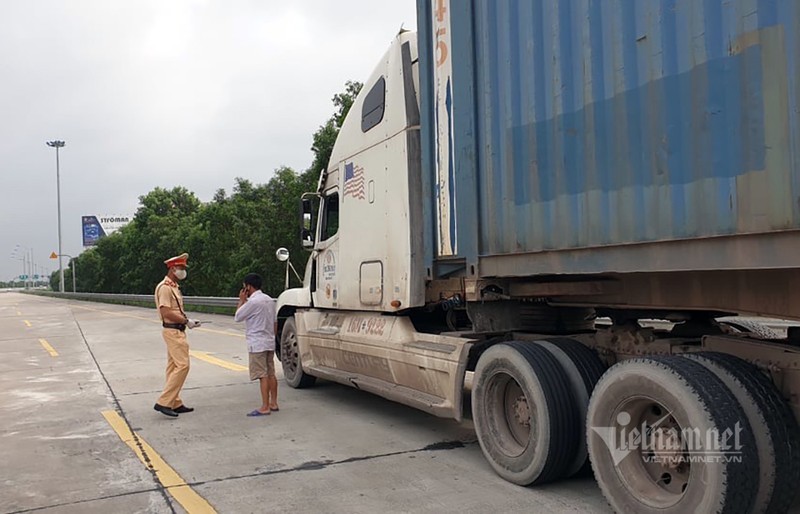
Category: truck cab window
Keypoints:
(330, 217)
(372, 110)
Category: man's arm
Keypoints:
(242, 298)
(272, 316)
(244, 311)
(170, 315)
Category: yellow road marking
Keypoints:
(200, 329)
(27, 322)
(116, 313)
(221, 332)
(204, 356)
(169, 478)
(52, 351)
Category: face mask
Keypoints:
(180, 274)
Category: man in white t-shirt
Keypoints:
(257, 310)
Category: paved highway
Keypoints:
(78, 432)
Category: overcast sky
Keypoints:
(161, 93)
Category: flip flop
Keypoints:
(258, 413)
(276, 409)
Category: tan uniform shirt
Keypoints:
(169, 295)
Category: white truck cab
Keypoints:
(366, 265)
(365, 206)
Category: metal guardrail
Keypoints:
(204, 301)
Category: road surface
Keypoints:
(78, 381)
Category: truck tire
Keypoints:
(583, 368)
(748, 326)
(290, 358)
(667, 400)
(775, 429)
(524, 413)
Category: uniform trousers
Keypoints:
(177, 367)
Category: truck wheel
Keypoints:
(583, 368)
(747, 326)
(775, 429)
(524, 413)
(290, 358)
(648, 424)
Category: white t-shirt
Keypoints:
(258, 314)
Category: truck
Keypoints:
(561, 218)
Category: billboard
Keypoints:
(95, 227)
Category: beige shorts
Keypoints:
(262, 364)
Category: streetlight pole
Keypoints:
(58, 144)
(27, 259)
(26, 273)
(74, 268)
(32, 266)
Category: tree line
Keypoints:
(226, 238)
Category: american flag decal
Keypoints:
(354, 181)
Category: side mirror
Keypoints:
(282, 254)
(307, 224)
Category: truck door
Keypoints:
(327, 248)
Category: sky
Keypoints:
(156, 93)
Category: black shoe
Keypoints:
(182, 409)
(165, 411)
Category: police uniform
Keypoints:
(168, 295)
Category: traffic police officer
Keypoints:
(169, 302)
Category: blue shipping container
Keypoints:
(583, 136)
